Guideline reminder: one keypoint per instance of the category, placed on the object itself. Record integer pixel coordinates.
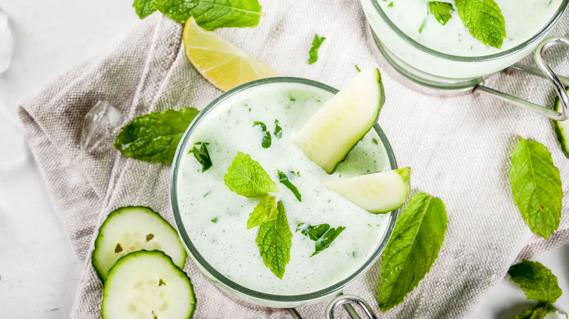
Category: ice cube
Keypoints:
(6, 42)
(99, 126)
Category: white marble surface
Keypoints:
(38, 271)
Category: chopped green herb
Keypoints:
(357, 67)
(118, 248)
(536, 280)
(283, 179)
(149, 237)
(153, 137)
(313, 53)
(375, 141)
(278, 132)
(536, 187)
(210, 14)
(214, 220)
(206, 194)
(390, 5)
(442, 11)
(161, 282)
(266, 142)
(422, 26)
(246, 177)
(323, 235)
(202, 155)
(274, 240)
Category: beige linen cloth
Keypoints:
(458, 148)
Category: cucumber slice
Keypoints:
(562, 129)
(147, 284)
(378, 192)
(342, 121)
(134, 228)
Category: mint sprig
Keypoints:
(412, 249)
(484, 20)
(536, 187)
(213, 14)
(539, 311)
(274, 240)
(246, 177)
(154, 137)
(264, 212)
(144, 8)
(536, 280)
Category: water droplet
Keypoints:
(99, 126)
(6, 42)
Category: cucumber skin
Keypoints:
(562, 135)
(107, 219)
(134, 254)
(359, 138)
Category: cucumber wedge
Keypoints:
(562, 129)
(378, 192)
(146, 284)
(134, 228)
(342, 121)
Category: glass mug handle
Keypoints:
(348, 302)
(543, 70)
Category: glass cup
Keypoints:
(229, 286)
(424, 68)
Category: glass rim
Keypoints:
(201, 261)
(479, 58)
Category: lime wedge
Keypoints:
(221, 62)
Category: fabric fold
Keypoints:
(458, 147)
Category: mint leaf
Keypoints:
(246, 177)
(274, 240)
(322, 234)
(213, 14)
(539, 311)
(442, 11)
(278, 132)
(202, 155)
(264, 212)
(313, 53)
(484, 20)
(283, 179)
(412, 249)
(144, 8)
(154, 137)
(266, 141)
(536, 187)
(536, 280)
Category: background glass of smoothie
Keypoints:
(212, 220)
(447, 56)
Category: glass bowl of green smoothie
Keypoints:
(212, 220)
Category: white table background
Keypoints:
(38, 270)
